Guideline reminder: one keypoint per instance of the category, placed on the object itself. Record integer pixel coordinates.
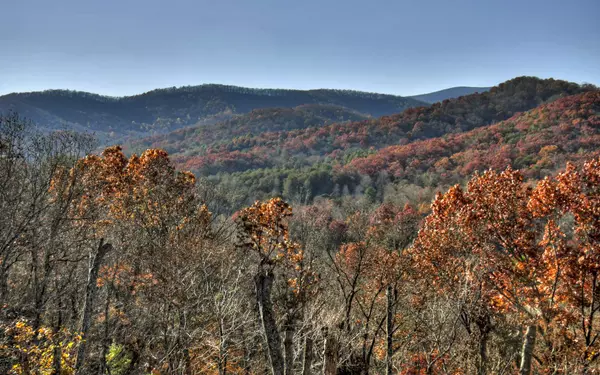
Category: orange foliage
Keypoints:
(532, 252)
(264, 230)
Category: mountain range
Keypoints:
(115, 119)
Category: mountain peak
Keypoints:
(449, 93)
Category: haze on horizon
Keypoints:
(397, 47)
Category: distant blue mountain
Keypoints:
(169, 109)
(452, 92)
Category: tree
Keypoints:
(569, 205)
(487, 234)
(533, 268)
(160, 229)
(264, 232)
(369, 271)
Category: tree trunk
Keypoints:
(483, 339)
(264, 282)
(247, 354)
(389, 329)
(222, 350)
(288, 346)
(106, 338)
(57, 352)
(90, 293)
(308, 356)
(484, 324)
(330, 354)
(527, 352)
(3, 284)
(135, 359)
(187, 360)
(182, 343)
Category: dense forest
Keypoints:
(268, 148)
(115, 119)
(421, 148)
(191, 139)
(457, 238)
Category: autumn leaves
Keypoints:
(528, 254)
(502, 272)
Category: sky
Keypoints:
(403, 47)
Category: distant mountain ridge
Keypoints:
(449, 93)
(157, 111)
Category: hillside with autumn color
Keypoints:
(279, 148)
(537, 142)
(461, 237)
(258, 121)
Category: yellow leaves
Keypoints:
(186, 178)
(350, 254)
(33, 350)
(473, 233)
(535, 252)
(548, 151)
(544, 198)
(499, 303)
(294, 253)
(380, 350)
(373, 264)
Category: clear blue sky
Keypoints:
(399, 46)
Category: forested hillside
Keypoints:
(258, 121)
(125, 265)
(538, 142)
(344, 140)
(117, 118)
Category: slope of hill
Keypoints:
(538, 142)
(342, 140)
(196, 139)
(450, 93)
(168, 109)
